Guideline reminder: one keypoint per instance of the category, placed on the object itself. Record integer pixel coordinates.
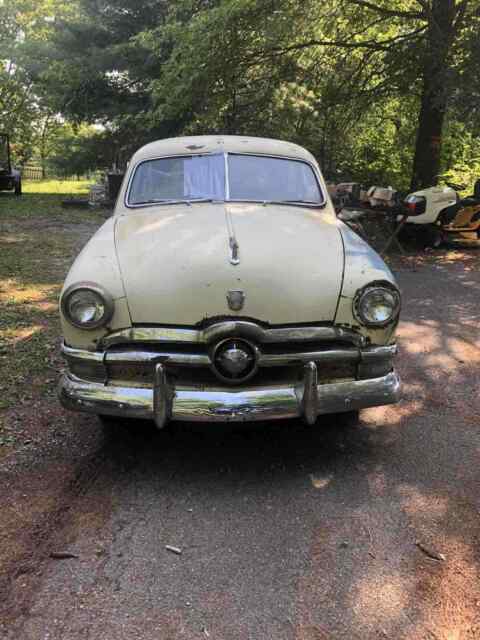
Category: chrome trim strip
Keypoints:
(368, 355)
(233, 329)
(378, 353)
(80, 354)
(227, 176)
(225, 405)
(145, 357)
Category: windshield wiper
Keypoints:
(309, 203)
(174, 201)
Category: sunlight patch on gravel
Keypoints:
(377, 596)
(417, 338)
(414, 502)
(463, 350)
(381, 417)
(446, 592)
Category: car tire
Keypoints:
(18, 187)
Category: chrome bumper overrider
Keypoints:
(164, 402)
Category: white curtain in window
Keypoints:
(204, 177)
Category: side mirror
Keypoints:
(415, 205)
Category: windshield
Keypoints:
(250, 178)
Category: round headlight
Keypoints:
(87, 306)
(377, 305)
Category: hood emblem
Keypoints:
(236, 299)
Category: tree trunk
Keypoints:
(440, 36)
(43, 164)
(426, 164)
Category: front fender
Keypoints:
(362, 265)
(97, 262)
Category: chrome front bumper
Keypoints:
(163, 402)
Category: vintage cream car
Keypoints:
(225, 289)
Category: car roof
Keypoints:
(221, 144)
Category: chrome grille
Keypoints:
(129, 357)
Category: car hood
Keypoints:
(176, 262)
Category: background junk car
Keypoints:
(225, 289)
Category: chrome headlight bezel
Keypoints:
(98, 292)
(377, 289)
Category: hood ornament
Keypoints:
(234, 250)
(236, 299)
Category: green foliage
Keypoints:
(24, 25)
(345, 78)
(461, 157)
(79, 151)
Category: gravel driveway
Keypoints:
(286, 532)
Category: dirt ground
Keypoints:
(342, 531)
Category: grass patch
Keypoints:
(32, 265)
(58, 187)
(38, 242)
(43, 198)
